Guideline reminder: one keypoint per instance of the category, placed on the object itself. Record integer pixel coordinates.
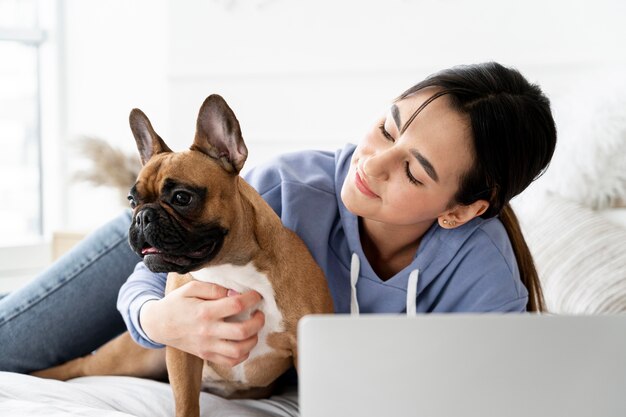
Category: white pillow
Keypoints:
(589, 164)
(579, 254)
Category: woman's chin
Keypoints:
(354, 200)
(347, 197)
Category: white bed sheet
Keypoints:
(116, 396)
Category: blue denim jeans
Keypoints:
(69, 309)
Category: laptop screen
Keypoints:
(454, 365)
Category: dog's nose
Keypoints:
(145, 217)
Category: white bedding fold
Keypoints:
(118, 396)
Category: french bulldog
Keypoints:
(196, 218)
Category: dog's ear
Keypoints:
(218, 134)
(148, 142)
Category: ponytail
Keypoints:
(525, 263)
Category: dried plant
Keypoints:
(110, 166)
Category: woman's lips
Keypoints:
(362, 186)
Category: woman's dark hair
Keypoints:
(514, 138)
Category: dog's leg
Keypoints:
(185, 373)
(184, 369)
(120, 356)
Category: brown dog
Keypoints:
(196, 218)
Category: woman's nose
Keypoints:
(377, 165)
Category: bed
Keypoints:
(118, 396)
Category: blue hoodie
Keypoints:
(471, 268)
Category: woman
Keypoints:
(418, 212)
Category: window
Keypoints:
(21, 211)
(23, 48)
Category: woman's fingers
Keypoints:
(224, 360)
(229, 352)
(235, 349)
(240, 330)
(204, 290)
(231, 306)
(199, 312)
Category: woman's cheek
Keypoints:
(366, 144)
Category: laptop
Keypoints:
(458, 365)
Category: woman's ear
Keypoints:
(461, 214)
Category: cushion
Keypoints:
(579, 254)
(589, 164)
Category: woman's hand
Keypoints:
(191, 319)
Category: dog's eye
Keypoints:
(181, 198)
(132, 201)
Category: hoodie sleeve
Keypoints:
(143, 285)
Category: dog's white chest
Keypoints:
(242, 279)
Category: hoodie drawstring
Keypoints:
(355, 266)
(411, 289)
(411, 293)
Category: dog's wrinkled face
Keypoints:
(176, 226)
(182, 201)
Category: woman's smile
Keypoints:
(363, 187)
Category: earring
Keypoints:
(452, 223)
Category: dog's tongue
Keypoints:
(147, 251)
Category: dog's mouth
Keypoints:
(150, 250)
(165, 246)
(160, 260)
(200, 253)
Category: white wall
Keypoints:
(314, 73)
(115, 58)
(301, 74)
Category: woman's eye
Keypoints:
(412, 179)
(132, 201)
(385, 133)
(181, 198)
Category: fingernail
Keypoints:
(232, 293)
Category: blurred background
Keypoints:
(299, 74)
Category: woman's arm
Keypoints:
(142, 286)
(190, 318)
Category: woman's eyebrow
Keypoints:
(425, 163)
(395, 112)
